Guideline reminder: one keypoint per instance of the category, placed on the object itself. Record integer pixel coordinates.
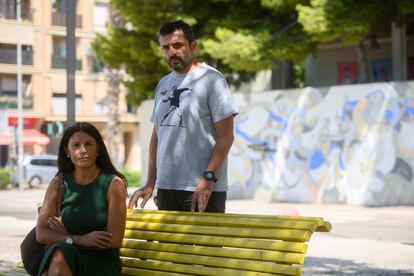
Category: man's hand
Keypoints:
(144, 192)
(202, 194)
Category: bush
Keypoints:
(133, 177)
(4, 178)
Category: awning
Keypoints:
(30, 137)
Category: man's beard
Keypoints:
(182, 65)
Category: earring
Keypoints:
(68, 156)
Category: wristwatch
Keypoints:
(210, 176)
(69, 240)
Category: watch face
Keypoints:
(69, 240)
(210, 176)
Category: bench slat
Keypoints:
(322, 225)
(249, 265)
(15, 271)
(143, 272)
(187, 269)
(287, 246)
(280, 234)
(223, 221)
(248, 254)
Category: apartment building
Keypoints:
(42, 36)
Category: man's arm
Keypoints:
(225, 138)
(145, 192)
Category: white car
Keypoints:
(37, 169)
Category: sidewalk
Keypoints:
(363, 241)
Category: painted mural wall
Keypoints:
(349, 144)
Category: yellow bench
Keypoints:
(180, 243)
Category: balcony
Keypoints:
(8, 99)
(59, 62)
(9, 56)
(8, 10)
(25, 16)
(59, 19)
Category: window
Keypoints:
(8, 9)
(8, 54)
(131, 108)
(44, 162)
(100, 16)
(59, 6)
(93, 64)
(98, 66)
(59, 103)
(59, 46)
(8, 91)
(9, 84)
(101, 107)
(59, 53)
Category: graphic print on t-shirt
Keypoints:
(173, 116)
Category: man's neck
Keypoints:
(192, 66)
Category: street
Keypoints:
(363, 240)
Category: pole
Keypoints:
(70, 61)
(20, 149)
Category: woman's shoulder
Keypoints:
(106, 177)
(113, 183)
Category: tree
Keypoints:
(240, 38)
(113, 76)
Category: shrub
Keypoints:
(133, 177)
(4, 178)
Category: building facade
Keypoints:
(42, 36)
(381, 58)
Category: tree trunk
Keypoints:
(363, 66)
(282, 75)
(113, 138)
(113, 77)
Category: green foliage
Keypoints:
(330, 20)
(241, 51)
(352, 20)
(133, 177)
(240, 38)
(4, 178)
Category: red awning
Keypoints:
(30, 137)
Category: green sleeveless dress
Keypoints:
(84, 208)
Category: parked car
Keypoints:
(37, 169)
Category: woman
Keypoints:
(85, 239)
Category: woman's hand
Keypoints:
(96, 239)
(56, 224)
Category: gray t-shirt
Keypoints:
(186, 108)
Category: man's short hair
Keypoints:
(170, 27)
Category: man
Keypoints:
(193, 130)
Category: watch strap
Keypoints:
(210, 176)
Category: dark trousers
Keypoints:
(175, 200)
